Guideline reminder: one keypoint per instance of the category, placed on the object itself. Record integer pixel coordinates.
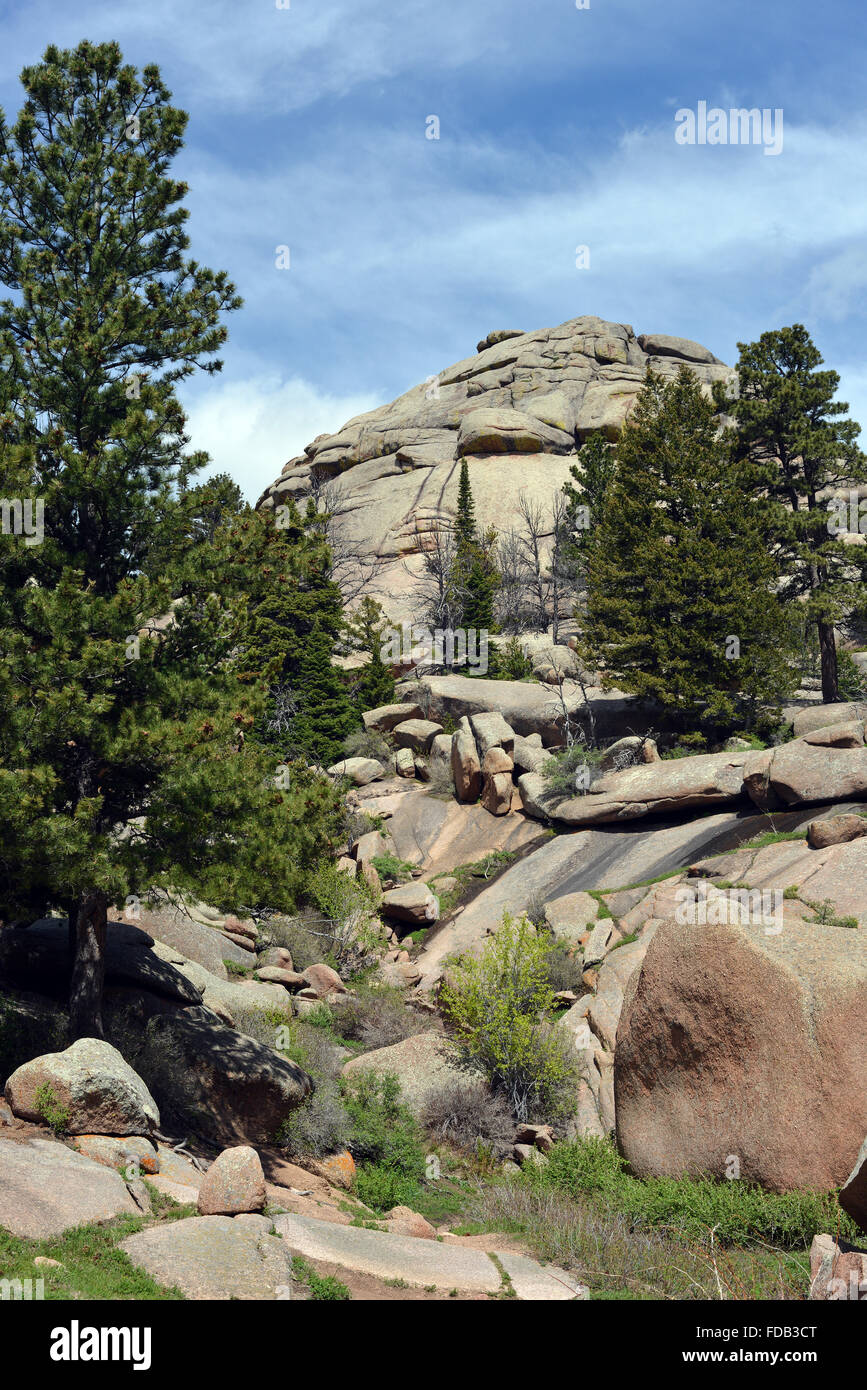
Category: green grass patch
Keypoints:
(244, 972)
(389, 866)
(91, 1265)
(324, 1288)
(771, 837)
(486, 868)
(736, 1210)
(658, 1238)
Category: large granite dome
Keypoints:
(518, 410)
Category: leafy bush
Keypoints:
(49, 1109)
(386, 1142)
(389, 866)
(511, 664)
(465, 1113)
(497, 1003)
(686, 746)
(826, 915)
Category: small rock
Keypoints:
(403, 1221)
(416, 734)
(360, 771)
(496, 760)
(277, 955)
(497, 793)
(838, 1271)
(542, 1136)
(246, 928)
(412, 902)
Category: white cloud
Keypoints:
(252, 427)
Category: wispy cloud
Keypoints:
(252, 427)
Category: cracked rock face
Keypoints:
(518, 410)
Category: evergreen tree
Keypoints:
(112, 719)
(793, 432)
(465, 516)
(282, 564)
(365, 632)
(325, 715)
(680, 602)
(585, 499)
(475, 578)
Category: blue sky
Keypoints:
(308, 129)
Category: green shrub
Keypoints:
(826, 915)
(497, 1004)
(49, 1109)
(389, 866)
(385, 1142)
(381, 1187)
(511, 663)
(687, 746)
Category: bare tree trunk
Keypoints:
(88, 971)
(828, 652)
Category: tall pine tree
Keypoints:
(801, 447)
(475, 578)
(680, 601)
(125, 761)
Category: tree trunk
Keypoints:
(88, 971)
(828, 651)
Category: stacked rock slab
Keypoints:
(518, 410)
